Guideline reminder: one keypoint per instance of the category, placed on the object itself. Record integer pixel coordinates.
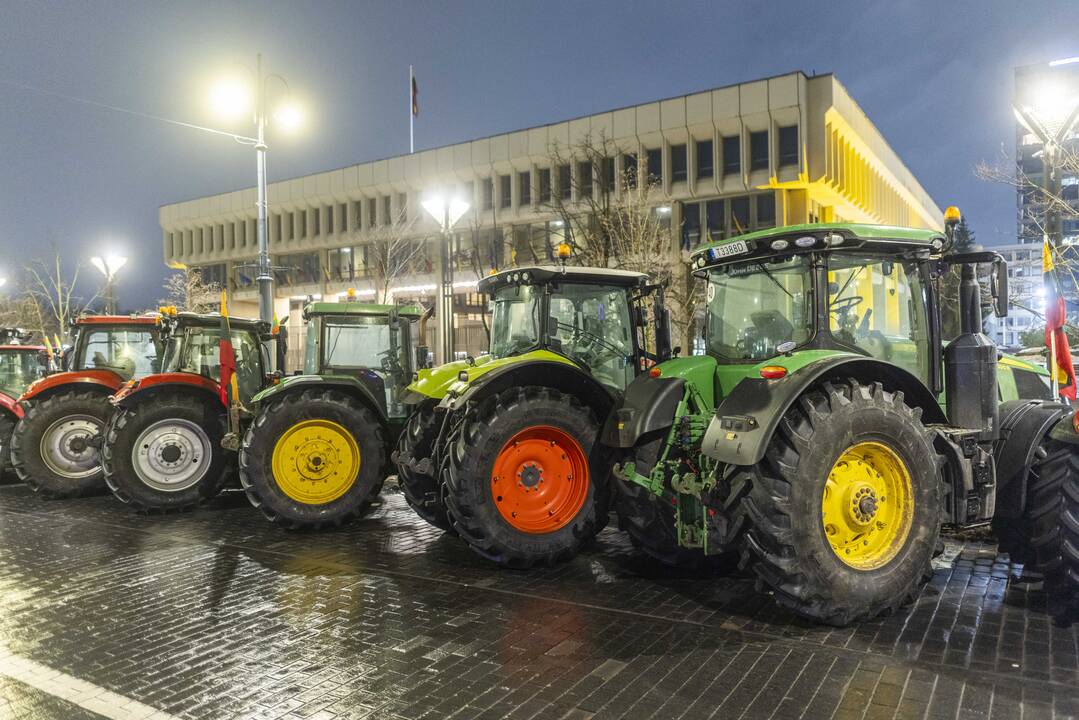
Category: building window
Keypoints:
(788, 145)
(372, 220)
(545, 185)
(301, 218)
(298, 269)
(584, 178)
(402, 206)
(565, 183)
(524, 188)
(488, 193)
(316, 218)
(740, 215)
(629, 169)
(387, 210)
(655, 164)
(705, 166)
(505, 191)
(766, 210)
(715, 223)
(345, 264)
(691, 225)
(758, 150)
(607, 170)
(678, 163)
(732, 155)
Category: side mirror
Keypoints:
(1000, 287)
(676, 350)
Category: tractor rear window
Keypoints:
(128, 353)
(19, 368)
(755, 307)
(359, 342)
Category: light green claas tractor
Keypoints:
(501, 449)
(830, 431)
(317, 452)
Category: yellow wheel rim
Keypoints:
(316, 461)
(868, 506)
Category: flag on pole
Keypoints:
(228, 386)
(415, 98)
(1056, 315)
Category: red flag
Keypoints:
(227, 354)
(1060, 364)
(415, 98)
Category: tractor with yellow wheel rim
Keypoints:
(316, 453)
(502, 449)
(830, 431)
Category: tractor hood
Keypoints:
(436, 383)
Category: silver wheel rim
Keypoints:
(172, 455)
(66, 447)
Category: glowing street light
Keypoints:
(3, 281)
(446, 211)
(232, 97)
(109, 265)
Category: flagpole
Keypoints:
(411, 115)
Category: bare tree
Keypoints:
(52, 295)
(186, 290)
(394, 250)
(611, 220)
(18, 310)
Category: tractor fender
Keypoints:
(748, 417)
(10, 405)
(153, 385)
(348, 385)
(1066, 430)
(561, 376)
(1023, 425)
(105, 381)
(648, 405)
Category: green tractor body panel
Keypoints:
(358, 308)
(348, 383)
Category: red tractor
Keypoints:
(20, 365)
(54, 447)
(173, 434)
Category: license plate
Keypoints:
(738, 247)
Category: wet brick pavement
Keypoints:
(218, 614)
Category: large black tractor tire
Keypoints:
(164, 453)
(1029, 538)
(1054, 517)
(422, 490)
(53, 447)
(650, 520)
(313, 459)
(834, 560)
(525, 482)
(7, 426)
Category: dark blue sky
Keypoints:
(935, 77)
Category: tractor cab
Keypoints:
(20, 365)
(366, 342)
(193, 347)
(129, 347)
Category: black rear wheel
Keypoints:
(525, 484)
(163, 453)
(422, 489)
(54, 446)
(841, 517)
(313, 459)
(1054, 513)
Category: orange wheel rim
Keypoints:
(539, 481)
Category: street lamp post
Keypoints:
(1051, 119)
(446, 212)
(109, 266)
(231, 99)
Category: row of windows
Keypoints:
(484, 248)
(563, 182)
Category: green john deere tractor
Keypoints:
(501, 449)
(317, 452)
(830, 431)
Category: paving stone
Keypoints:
(217, 614)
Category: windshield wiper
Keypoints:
(771, 277)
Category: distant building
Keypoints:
(784, 150)
(1025, 289)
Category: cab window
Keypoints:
(876, 306)
(128, 353)
(591, 324)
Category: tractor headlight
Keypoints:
(806, 241)
(780, 244)
(524, 277)
(463, 376)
